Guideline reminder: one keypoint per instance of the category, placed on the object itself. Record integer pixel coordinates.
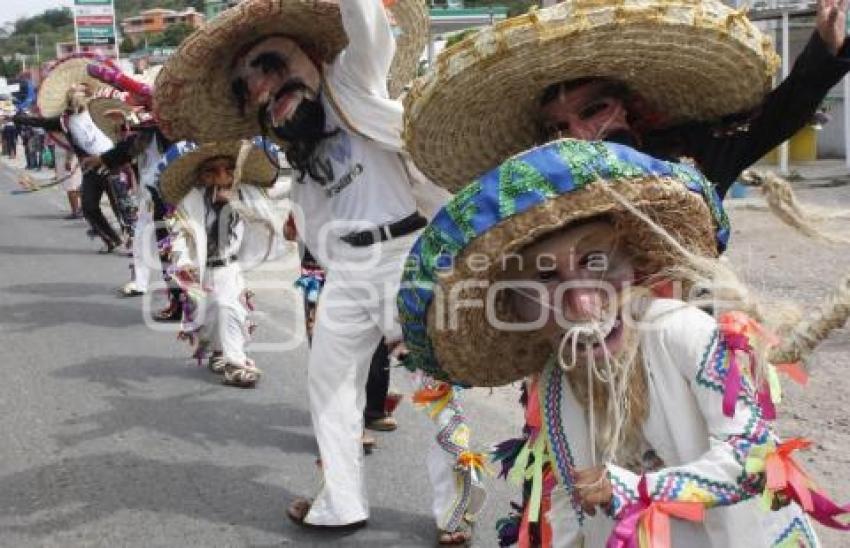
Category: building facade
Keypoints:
(155, 21)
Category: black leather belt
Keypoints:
(383, 233)
(215, 263)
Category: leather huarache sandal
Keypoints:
(462, 536)
(299, 508)
(216, 363)
(241, 376)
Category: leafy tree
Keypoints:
(173, 35)
(127, 45)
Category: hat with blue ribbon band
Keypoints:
(177, 171)
(444, 296)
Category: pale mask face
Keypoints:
(580, 273)
(583, 113)
(275, 72)
(217, 173)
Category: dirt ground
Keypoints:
(782, 264)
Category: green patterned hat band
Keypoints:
(558, 170)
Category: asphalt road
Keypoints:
(110, 436)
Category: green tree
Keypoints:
(10, 68)
(173, 35)
(127, 45)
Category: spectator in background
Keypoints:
(36, 147)
(10, 139)
(26, 136)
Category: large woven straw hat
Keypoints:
(101, 110)
(178, 169)
(463, 251)
(53, 93)
(193, 97)
(690, 60)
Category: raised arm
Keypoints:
(366, 61)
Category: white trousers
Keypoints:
(225, 317)
(357, 308)
(145, 250)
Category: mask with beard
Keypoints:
(302, 133)
(307, 122)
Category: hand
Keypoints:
(186, 277)
(91, 162)
(831, 23)
(594, 489)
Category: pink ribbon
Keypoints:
(783, 474)
(142, 93)
(649, 520)
(737, 328)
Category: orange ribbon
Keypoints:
(656, 521)
(646, 523)
(782, 471)
(438, 397)
(430, 395)
(739, 323)
(794, 371)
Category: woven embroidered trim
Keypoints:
(458, 511)
(623, 495)
(798, 534)
(556, 439)
(715, 366)
(684, 486)
(445, 437)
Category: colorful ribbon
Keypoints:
(141, 92)
(438, 397)
(738, 329)
(474, 462)
(784, 475)
(646, 523)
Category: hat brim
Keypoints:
(180, 172)
(101, 107)
(193, 97)
(690, 60)
(52, 99)
(463, 252)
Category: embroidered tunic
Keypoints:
(703, 450)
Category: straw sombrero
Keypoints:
(193, 97)
(690, 59)
(100, 109)
(514, 205)
(53, 92)
(177, 171)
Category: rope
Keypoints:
(809, 333)
(783, 203)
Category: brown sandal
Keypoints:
(299, 508)
(216, 363)
(462, 536)
(240, 376)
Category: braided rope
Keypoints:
(810, 332)
(782, 202)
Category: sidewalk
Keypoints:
(817, 170)
(18, 165)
